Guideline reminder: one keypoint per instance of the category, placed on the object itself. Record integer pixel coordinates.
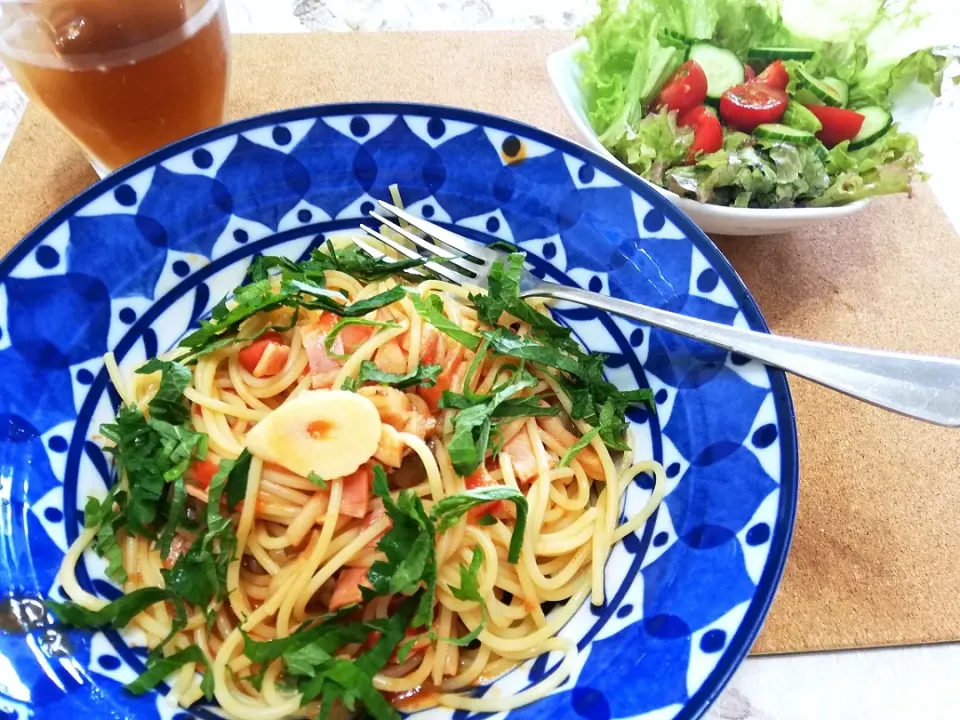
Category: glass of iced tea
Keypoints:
(122, 77)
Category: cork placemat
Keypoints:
(878, 533)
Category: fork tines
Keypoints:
(457, 267)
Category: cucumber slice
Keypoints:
(784, 53)
(805, 97)
(826, 94)
(876, 122)
(776, 131)
(842, 89)
(799, 118)
(722, 68)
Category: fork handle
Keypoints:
(926, 388)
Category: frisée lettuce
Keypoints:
(633, 48)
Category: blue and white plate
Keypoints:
(132, 262)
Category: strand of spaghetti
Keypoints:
(240, 386)
(569, 538)
(653, 502)
(515, 648)
(207, 402)
(428, 460)
(363, 538)
(239, 704)
(68, 572)
(415, 679)
(443, 648)
(312, 564)
(119, 383)
(469, 676)
(337, 280)
(302, 523)
(237, 600)
(414, 336)
(540, 690)
(261, 555)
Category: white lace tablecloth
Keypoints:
(888, 684)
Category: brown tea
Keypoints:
(122, 77)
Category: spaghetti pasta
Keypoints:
(363, 493)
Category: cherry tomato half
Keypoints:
(745, 106)
(707, 131)
(775, 75)
(749, 73)
(839, 124)
(685, 89)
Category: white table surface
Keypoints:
(884, 684)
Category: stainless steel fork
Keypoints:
(922, 387)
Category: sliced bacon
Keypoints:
(346, 590)
(357, 491)
(178, 547)
(323, 367)
(377, 513)
(520, 451)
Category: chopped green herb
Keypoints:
(160, 668)
(116, 614)
(106, 517)
(168, 404)
(579, 445)
(431, 310)
(487, 520)
(503, 296)
(447, 512)
(317, 480)
(422, 375)
(526, 348)
(469, 591)
(356, 263)
(237, 479)
(468, 444)
(149, 454)
(346, 322)
(409, 549)
(360, 307)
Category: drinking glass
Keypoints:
(122, 77)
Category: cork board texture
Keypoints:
(874, 557)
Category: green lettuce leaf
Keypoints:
(875, 46)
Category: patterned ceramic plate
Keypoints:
(135, 260)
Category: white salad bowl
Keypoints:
(716, 219)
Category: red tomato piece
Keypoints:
(250, 356)
(749, 73)
(451, 363)
(839, 124)
(357, 493)
(707, 131)
(745, 106)
(346, 590)
(685, 89)
(775, 75)
(203, 472)
(353, 336)
(478, 479)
